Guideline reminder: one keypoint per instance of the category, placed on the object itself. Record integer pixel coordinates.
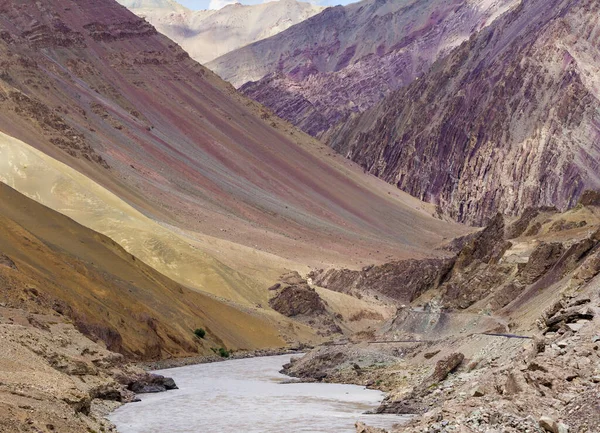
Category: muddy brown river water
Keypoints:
(248, 396)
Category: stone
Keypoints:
(430, 355)
(562, 428)
(548, 424)
(363, 428)
(478, 392)
(575, 327)
(446, 366)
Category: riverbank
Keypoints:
(165, 364)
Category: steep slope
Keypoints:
(49, 264)
(208, 34)
(507, 121)
(346, 59)
(112, 98)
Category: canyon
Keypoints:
(440, 244)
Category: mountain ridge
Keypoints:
(346, 59)
(208, 34)
(505, 122)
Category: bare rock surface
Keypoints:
(346, 59)
(479, 133)
(55, 379)
(293, 297)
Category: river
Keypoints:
(247, 396)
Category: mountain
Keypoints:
(111, 124)
(507, 121)
(346, 59)
(208, 34)
(107, 293)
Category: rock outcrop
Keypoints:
(55, 379)
(346, 59)
(486, 269)
(294, 298)
(398, 282)
(506, 121)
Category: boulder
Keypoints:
(446, 366)
(151, 383)
(548, 424)
(478, 391)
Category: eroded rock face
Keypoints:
(347, 59)
(505, 122)
(297, 300)
(293, 297)
(7, 262)
(479, 271)
(400, 282)
(446, 366)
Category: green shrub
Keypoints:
(200, 333)
(221, 351)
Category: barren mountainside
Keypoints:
(346, 59)
(208, 34)
(113, 125)
(506, 121)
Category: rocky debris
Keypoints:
(548, 424)
(58, 35)
(55, 376)
(118, 31)
(340, 362)
(299, 300)
(363, 428)
(523, 224)
(478, 391)
(488, 247)
(54, 127)
(400, 282)
(319, 367)
(430, 355)
(454, 140)
(562, 225)
(568, 316)
(567, 311)
(7, 262)
(541, 260)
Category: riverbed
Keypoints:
(249, 396)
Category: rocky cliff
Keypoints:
(506, 121)
(346, 59)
